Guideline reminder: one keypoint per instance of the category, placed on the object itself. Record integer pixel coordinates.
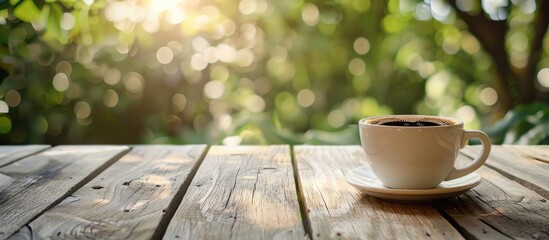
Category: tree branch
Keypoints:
(527, 79)
(491, 35)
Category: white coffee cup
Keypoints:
(417, 157)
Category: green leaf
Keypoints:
(27, 11)
(53, 25)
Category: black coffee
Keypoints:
(411, 124)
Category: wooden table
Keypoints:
(253, 192)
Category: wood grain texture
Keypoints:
(126, 201)
(336, 209)
(533, 152)
(523, 164)
(499, 208)
(9, 154)
(44, 179)
(5, 182)
(243, 192)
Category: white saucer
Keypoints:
(366, 181)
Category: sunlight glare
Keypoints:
(157, 7)
(138, 14)
(176, 16)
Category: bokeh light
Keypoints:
(164, 55)
(110, 98)
(214, 89)
(543, 77)
(361, 45)
(179, 101)
(61, 82)
(13, 98)
(310, 14)
(357, 66)
(488, 96)
(82, 110)
(253, 71)
(306, 97)
(4, 107)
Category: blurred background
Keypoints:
(265, 72)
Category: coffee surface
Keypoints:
(411, 124)
(420, 121)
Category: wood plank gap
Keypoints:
(300, 196)
(498, 208)
(495, 228)
(78, 185)
(454, 223)
(338, 210)
(261, 205)
(539, 190)
(178, 197)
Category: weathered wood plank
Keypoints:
(5, 182)
(244, 192)
(519, 163)
(499, 208)
(9, 154)
(534, 152)
(336, 209)
(44, 179)
(126, 201)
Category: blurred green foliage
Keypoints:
(526, 124)
(247, 71)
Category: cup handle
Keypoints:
(477, 163)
